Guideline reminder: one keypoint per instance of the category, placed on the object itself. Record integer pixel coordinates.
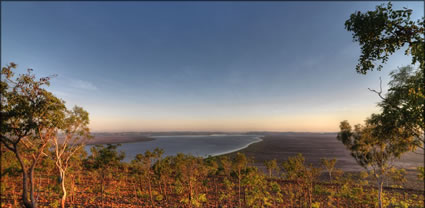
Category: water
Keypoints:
(201, 145)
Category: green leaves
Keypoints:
(399, 127)
(401, 114)
(271, 165)
(382, 32)
(105, 157)
(32, 117)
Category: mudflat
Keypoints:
(314, 146)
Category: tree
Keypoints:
(142, 166)
(75, 135)
(402, 108)
(382, 32)
(103, 158)
(304, 176)
(329, 165)
(190, 171)
(227, 193)
(256, 189)
(370, 151)
(163, 173)
(225, 165)
(239, 164)
(271, 165)
(211, 164)
(31, 117)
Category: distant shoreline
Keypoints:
(118, 139)
(239, 149)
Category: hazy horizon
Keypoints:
(225, 132)
(199, 66)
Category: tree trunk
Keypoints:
(63, 199)
(216, 192)
(150, 191)
(239, 188)
(32, 197)
(310, 196)
(27, 203)
(190, 193)
(72, 189)
(161, 190)
(380, 186)
(102, 187)
(135, 193)
(165, 190)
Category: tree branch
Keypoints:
(380, 89)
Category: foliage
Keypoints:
(103, 160)
(74, 136)
(382, 32)
(192, 182)
(329, 165)
(399, 127)
(377, 153)
(31, 116)
(402, 107)
(305, 177)
(271, 166)
(255, 185)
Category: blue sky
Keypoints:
(226, 66)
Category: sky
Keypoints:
(199, 66)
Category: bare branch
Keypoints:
(380, 89)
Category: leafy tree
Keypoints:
(382, 32)
(103, 158)
(304, 176)
(31, 117)
(213, 173)
(256, 189)
(377, 153)
(329, 165)
(227, 192)
(163, 173)
(225, 165)
(271, 166)
(142, 166)
(276, 191)
(402, 109)
(75, 135)
(190, 172)
(76, 171)
(239, 164)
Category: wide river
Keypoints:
(202, 145)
